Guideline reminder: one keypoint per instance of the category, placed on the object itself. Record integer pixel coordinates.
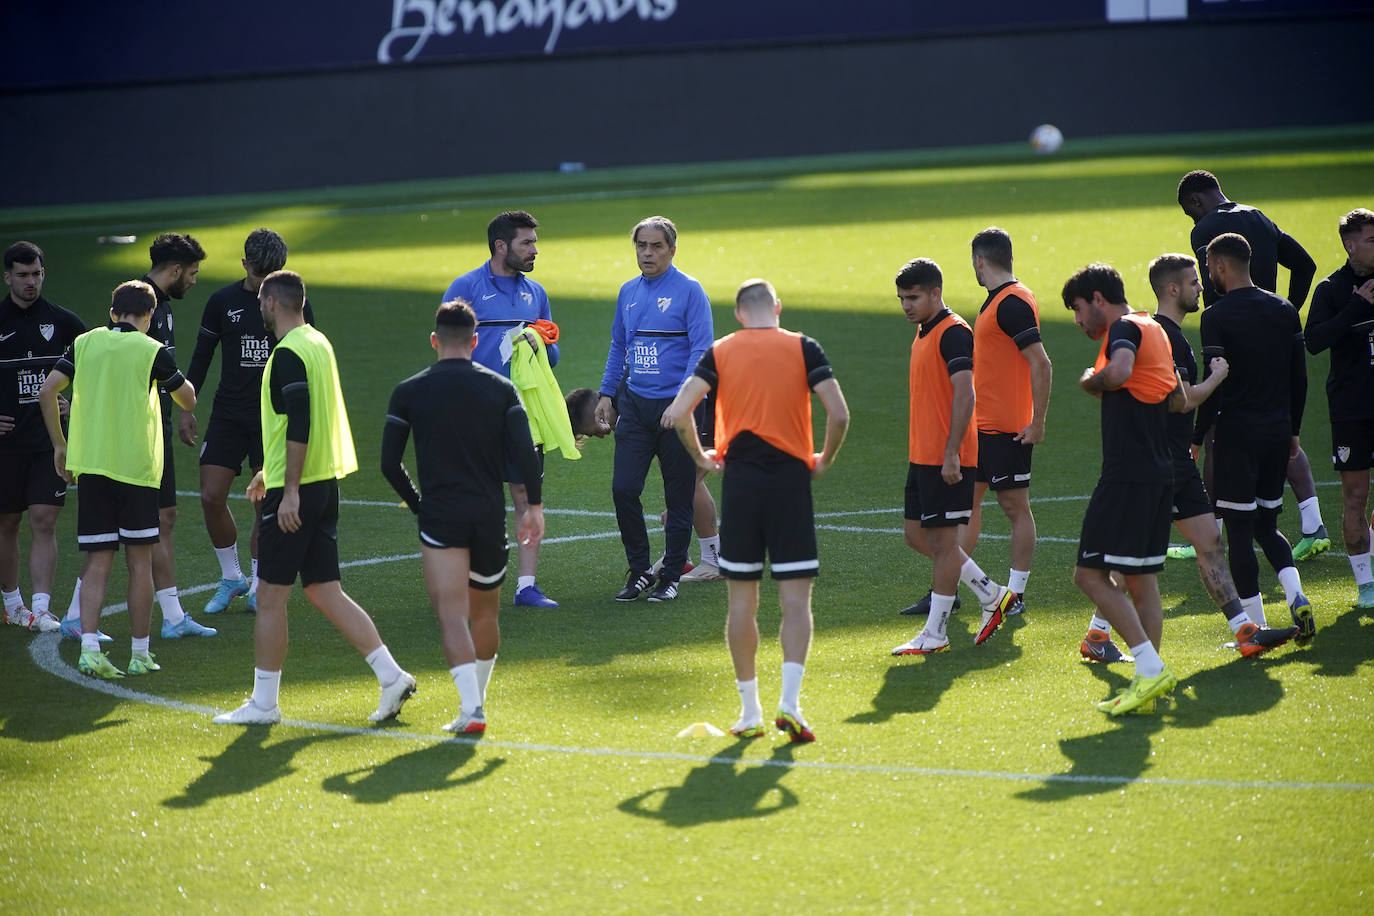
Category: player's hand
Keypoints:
(1366, 291)
(289, 511)
(1033, 434)
(528, 335)
(1219, 366)
(819, 465)
(257, 489)
(59, 463)
(710, 460)
(1195, 451)
(950, 472)
(531, 530)
(604, 413)
(186, 427)
(64, 407)
(1294, 448)
(6, 424)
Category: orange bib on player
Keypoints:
(761, 387)
(1152, 377)
(931, 401)
(1000, 374)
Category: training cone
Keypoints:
(700, 730)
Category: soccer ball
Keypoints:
(1046, 139)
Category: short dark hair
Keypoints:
(287, 287)
(994, 246)
(1350, 224)
(265, 251)
(756, 294)
(505, 225)
(1167, 266)
(1197, 181)
(23, 253)
(1095, 278)
(1230, 245)
(455, 321)
(580, 401)
(133, 297)
(175, 248)
(922, 272)
(661, 223)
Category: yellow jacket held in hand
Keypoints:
(533, 378)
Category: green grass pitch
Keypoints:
(980, 779)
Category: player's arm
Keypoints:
(1042, 375)
(56, 382)
(207, 339)
(700, 331)
(166, 375)
(1301, 268)
(1191, 396)
(546, 313)
(292, 388)
(1213, 347)
(836, 424)
(520, 443)
(1297, 392)
(614, 372)
(1327, 319)
(395, 435)
(960, 416)
(679, 417)
(1120, 363)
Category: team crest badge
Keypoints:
(664, 303)
(528, 297)
(1343, 452)
(46, 330)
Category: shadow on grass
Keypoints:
(248, 763)
(917, 685)
(1106, 760)
(430, 769)
(64, 710)
(1340, 648)
(720, 790)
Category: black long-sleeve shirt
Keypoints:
(1343, 322)
(466, 420)
(1270, 248)
(1265, 391)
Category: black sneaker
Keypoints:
(922, 607)
(636, 585)
(666, 590)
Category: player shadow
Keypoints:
(916, 684)
(432, 768)
(720, 790)
(1106, 760)
(248, 763)
(1341, 647)
(66, 710)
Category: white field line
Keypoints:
(44, 652)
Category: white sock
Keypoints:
(484, 666)
(253, 585)
(229, 562)
(139, 646)
(1238, 621)
(383, 665)
(90, 642)
(1310, 512)
(1017, 579)
(170, 603)
(465, 679)
(41, 602)
(750, 708)
(266, 688)
(1097, 623)
(710, 550)
(74, 609)
(1254, 609)
(523, 582)
(1221, 529)
(791, 686)
(1292, 585)
(973, 576)
(1359, 565)
(13, 600)
(941, 606)
(1147, 660)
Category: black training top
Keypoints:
(467, 420)
(31, 340)
(233, 320)
(1265, 390)
(1181, 424)
(1135, 434)
(1343, 322)
(1270, 247)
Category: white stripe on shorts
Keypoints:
(1132, 561)
(1269, 503)
(1239, 507)
(138, 532)
(738, 567)
(97, 538)
(487, 580)
(795, 566)
(431, 542)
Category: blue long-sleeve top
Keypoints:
(501, 303)
(661, 329)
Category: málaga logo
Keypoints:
(417, 21)
(664, 303)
